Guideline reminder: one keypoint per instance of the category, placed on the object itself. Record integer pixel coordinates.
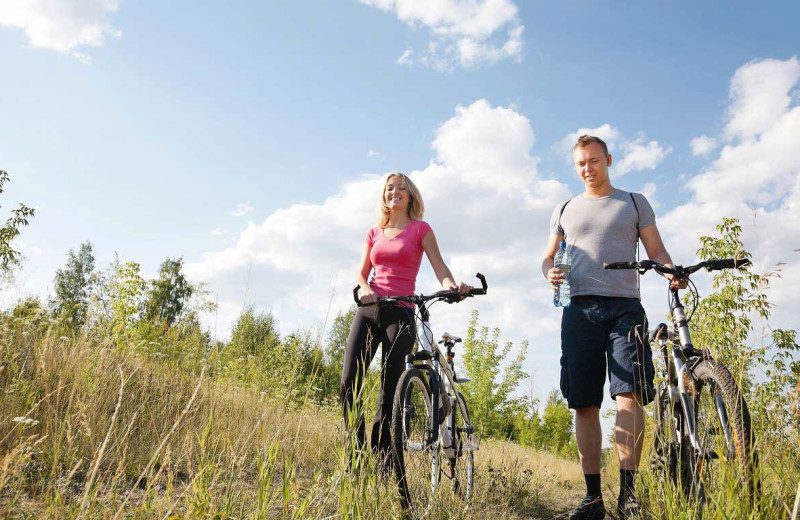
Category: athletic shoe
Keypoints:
(628, 506)
(590, 508)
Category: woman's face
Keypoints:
(395, 194)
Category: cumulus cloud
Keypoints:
(485, 199)
(703, 145)
(760, 96)
(640, 155)
(466, 33)
(635, 154)
(755, 177)
(62, 25)
(242, 209)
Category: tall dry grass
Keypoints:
(93, 429)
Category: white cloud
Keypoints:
(637, 154)
(703, 145)
(242, 209)
(760, 95)
(756, 179)
(640, 155)
(406, 58)
(466, 33)
(218, 232)
(62, 25)
(485, 200)
(374, 154)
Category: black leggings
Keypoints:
(394, 328)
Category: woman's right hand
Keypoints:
(556, 277)
(367, 295)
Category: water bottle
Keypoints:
(561, 296)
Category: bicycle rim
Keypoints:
(416, 461)
(723, 431)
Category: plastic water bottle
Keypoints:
(561, 296)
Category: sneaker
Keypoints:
(628, 507)
(590, 508)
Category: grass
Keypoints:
(93, 429)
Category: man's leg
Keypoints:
(630, 431)
(631, 375)
(589, 438)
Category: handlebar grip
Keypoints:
(483, 284)
(727, 263)
(355, 296)
(619, 265)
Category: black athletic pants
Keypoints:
(392, 327)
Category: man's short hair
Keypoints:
(586, 140)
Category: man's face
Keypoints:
(591, 164)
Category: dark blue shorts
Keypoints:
(599, 332)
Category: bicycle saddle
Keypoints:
(447, 336)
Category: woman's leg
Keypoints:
(360, 349)
(398, 335)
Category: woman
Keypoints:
(393, 253)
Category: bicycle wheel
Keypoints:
(462, 465)
(723, 430)
(416, 462)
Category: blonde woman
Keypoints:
(392, 253)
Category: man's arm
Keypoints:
(656, 252)
(554, 276)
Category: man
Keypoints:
(605, 322)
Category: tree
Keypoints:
(489, 393)
(19, 218)
(169, 293)
(73, 285)
(127, 288)
(255, 333)
(724, 323)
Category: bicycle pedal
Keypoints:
(468, 429)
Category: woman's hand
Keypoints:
(461, 287)
(367, 295)
(555, 277)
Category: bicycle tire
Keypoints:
(416, 463)
(462, 466)
(720, 408)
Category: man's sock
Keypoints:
(592, 485)
(627, 477)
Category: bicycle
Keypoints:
(426, 401)
(689, 420)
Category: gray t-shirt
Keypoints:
(598, 230)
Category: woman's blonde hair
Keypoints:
(416, 208)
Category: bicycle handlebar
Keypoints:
(448, 295)
(678, 270)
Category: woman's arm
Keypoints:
(441, 270)
(366, 294)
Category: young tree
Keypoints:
(489, 393)
(127, 289)
(169, 293)
(73, 285)
(19, 218)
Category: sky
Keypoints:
(250, 138)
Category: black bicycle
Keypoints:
(700, 413)
(429, 414)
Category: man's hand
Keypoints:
(555, 277)
(677, 283)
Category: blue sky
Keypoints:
(142, 126)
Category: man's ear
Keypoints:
(608, 160)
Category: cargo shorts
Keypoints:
(600, 333)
